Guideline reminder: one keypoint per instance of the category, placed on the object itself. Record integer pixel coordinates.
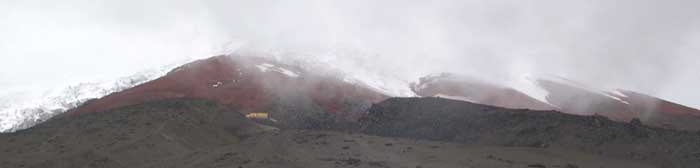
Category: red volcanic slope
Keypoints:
(476, 91)
(621, 107)
(249, 84)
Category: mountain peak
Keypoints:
(251, 84)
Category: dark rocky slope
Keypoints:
(126, 137)
(463, 122)
(201, 133)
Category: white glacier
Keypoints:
(21, 114)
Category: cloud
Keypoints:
(644, 45)
(66, 42)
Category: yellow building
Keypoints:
(257, 115)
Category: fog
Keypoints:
(641, 45)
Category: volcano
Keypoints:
(236, 111)
(252, 85)
(304, 96)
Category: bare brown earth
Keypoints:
(237, 81)
(198, 133)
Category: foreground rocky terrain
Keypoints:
(561, 94)
(456, 121)
(399, 132)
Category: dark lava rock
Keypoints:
(570, 166)
(463, 122)
(537, 165)
(636, 122)
(128, 137)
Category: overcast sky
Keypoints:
(646, 46)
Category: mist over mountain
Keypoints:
(347, 84)
(646, 46)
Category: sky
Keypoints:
(649, 46)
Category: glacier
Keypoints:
(18, 115)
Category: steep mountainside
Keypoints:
(252, 84)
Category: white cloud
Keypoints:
(640, 45)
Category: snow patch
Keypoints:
(618, 93)
(460, 98)
(269, 67)
(614, 96)
(341, 62)
(528, 84)
(217, 84)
